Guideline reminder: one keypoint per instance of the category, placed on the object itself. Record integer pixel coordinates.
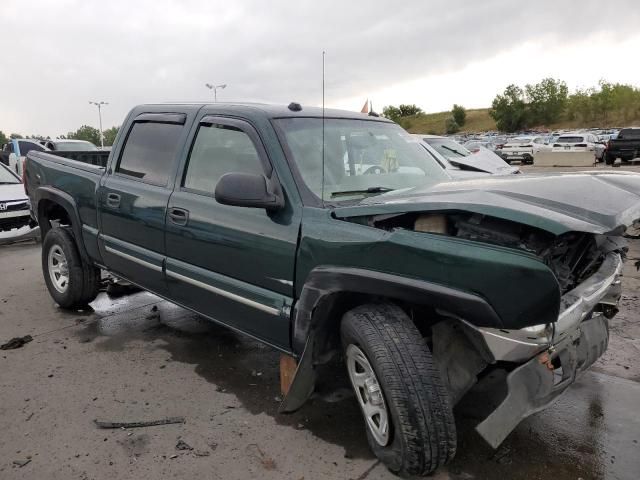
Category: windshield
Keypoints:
(362, 158)
(6, 176)
(448, 148)
(75, 146)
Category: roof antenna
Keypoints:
(322, 188)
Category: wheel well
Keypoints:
(333, 308)
(50, 211)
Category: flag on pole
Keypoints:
(365, 107)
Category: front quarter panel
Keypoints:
(517, 285)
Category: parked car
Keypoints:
(245, 214)
(625, 146)
(67, 145)
(15, 151)
(579, 142)
(14, 204)
(523, 148)
(462, 163)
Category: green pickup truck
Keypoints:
(330, 234)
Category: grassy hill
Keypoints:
(478, 120)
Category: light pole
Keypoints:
(215, 89)
(99, 105)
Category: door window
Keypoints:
(149, 152)
(219, 149)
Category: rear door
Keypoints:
(133, 198)
(232, 264)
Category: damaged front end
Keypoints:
(542, 359)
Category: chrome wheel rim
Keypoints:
(58, 268)
(369, 394)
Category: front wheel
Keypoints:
(409, 421)
(70, 281)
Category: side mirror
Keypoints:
(248, 190)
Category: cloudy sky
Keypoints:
(60, 54)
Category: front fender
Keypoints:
(311, 317)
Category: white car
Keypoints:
(523, 148)
(14, 204)
(580, 142)
(462, 163)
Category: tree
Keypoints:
(15, 136)
(3, 138)
(459, 114)
(451, 126)
(391, 112)
(401, 111)
(86, 133)
(509, 110)
(409, 110)
(547, 101)
(110, 135)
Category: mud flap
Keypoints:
(303, 383)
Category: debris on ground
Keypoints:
(16, 342)
(182, 445)
(201, 453)
(150, 423)
(268, 463)
(502, 456)
(22, 463)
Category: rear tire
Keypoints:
(71, 282)
(421, 428)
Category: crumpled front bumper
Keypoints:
(553, 357)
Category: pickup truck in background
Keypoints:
(625, 146)
(421, 284)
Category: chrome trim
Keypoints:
(144, 263)
(89, 229)
(577, 303)
(224, 293)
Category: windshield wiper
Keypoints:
(453, 150)
(370, 190)
(9, 183)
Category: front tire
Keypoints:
(395, 381)
(71, 282)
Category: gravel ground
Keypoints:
(142, 358)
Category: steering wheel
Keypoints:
(374, 170)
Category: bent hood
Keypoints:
(485, 161)
(586, 202)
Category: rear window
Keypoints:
(149, 152)
(570, 139)
(26, 147)
(629, 134)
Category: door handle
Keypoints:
(178, 216)
(113, 200)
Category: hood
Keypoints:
(12, 192)
(586, 202)
(484, 160)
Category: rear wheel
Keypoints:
(409, 422)
(71, 281)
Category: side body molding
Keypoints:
(311, 315)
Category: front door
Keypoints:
(133, 200)
(232, 264)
